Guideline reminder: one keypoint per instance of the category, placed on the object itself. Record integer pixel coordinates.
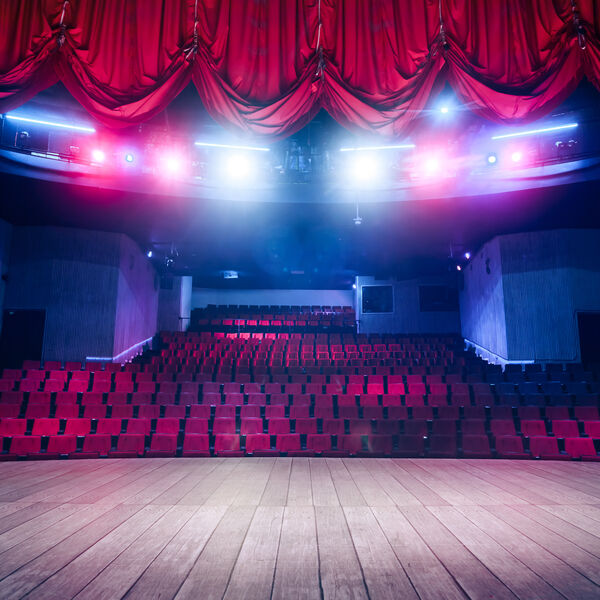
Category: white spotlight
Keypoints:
(458, 268)
(444, 110)
(149, 254)
(468, 255)
(364, 169)
(353, 286)
(238, 166)
(98, 156)
(516, 156)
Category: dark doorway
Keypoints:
(589, 336)
(22, 336)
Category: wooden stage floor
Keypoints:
(299, 528)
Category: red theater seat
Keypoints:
(592, 428)
(224, 425)
(360, 426)
(162, 445)
(25, 445)
(139, 426)
(510, 446)
(288, 442)
(546, 448)
(78, 427)
(318, 442)
(251, 425)
(583, 448)
(66, 411)
(199, 411)
(227, 445)
(442, 446)
(148, 411)
(259, 444)
(195, 444)
(333, 426)
(476, 446)
(10, 411)
(37, 411)
(565, 429)
(121, 411)
(176, 412)
(306, 426)
(129, 445)
(168, 425)
(109, 426)
(61, 445)
(350, 444)
(45, 427)
(533, 428)
(274, 412)
(379, 445)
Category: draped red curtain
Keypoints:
(266, 67)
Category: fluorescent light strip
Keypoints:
(534, 131)
(398, 147)
(252, 148)
(51, 124)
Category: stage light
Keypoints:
(149, 254)
(129, 157)
(516, 156)
(491, 158)
(535, 131)
(232, 146)
(468, 255)
(98, 156)
(172, 164)
(431, 165)
(50, 123)
(458, 268)
(238, 166)
(353, 286)
(364, 169)
(444, 110)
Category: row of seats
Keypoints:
(125, 445)
(275, 425)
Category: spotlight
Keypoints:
(492, 159)
(98, 156)
(357, 220)
(238, 166)
(431, 165)
(172, 164)
(444, 110)
(458, 268)
(353, 286)
(468, 255)
(516, 156)
(149, 254)
(364, 169)
(129, 157)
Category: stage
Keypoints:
(299, 528)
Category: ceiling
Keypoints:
(296, 244)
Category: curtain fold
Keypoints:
(266, 67)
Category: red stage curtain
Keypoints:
(256, 64)
(125, 60)
(381, 60)
(266, 67)
(27, 48)
(511, 60)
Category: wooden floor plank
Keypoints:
(32, 574)
(419, 490)
(367, 481)
(70, 580)
(276, 489)
(553, 534)
(339, 568)
(519, 578)
(167, 572)
(472, 575)
(252, 576)
(297, 568)
(428, 575)
(347, 491)
(116, 579)
(561, 576)
(323, 490)
(383, 574)
(299, 490)
(210, 574)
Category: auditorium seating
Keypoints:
(272, 392)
